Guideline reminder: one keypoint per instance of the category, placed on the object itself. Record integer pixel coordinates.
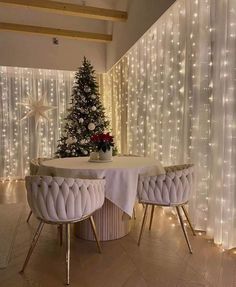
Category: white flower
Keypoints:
(81, 120)
(94, 108)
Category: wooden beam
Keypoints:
(71, 9)
(56, 32)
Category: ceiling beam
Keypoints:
(56, 32)
(71, 9)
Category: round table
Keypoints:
(121, 174)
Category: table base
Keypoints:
(111, 222)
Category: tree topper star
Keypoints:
(37, 108)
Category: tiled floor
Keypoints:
(162, 259)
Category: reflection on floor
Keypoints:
(161, 260)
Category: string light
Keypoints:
(162, 95)
(175, 105)
(17, 140)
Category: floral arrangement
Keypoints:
(102, 142)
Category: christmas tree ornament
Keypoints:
(91, 126)
(70, 141)
(94, 108)
(87, 89)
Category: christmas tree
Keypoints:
(85, 117)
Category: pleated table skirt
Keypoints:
(111, 223)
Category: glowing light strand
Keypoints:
(181, 104)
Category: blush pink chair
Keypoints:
(170, 189)
(62, 201)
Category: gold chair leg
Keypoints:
(95, 233)
(187, 217)
(33, 244)
(134, 213)
(143, 224)
(184, 230)
(28, 218)
(67, 253)
(151, 218)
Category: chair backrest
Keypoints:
(177, 167)
(58, 199)
(130, 154)
(34, 166)
(172, 188)
(35, 163)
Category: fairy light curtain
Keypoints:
(17, 139)
(172, 96)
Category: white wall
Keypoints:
(141, 15)
(28, 50)
(20, 50)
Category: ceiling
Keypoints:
(47, 18)
(109, 4)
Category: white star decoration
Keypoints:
(37, 109)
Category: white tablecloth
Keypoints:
(121, 175)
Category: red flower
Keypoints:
(103, 141)
(102, 138)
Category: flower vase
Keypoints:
(107, 155)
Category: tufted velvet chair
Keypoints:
(34, 167)
(57, 200)
(170, 189)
